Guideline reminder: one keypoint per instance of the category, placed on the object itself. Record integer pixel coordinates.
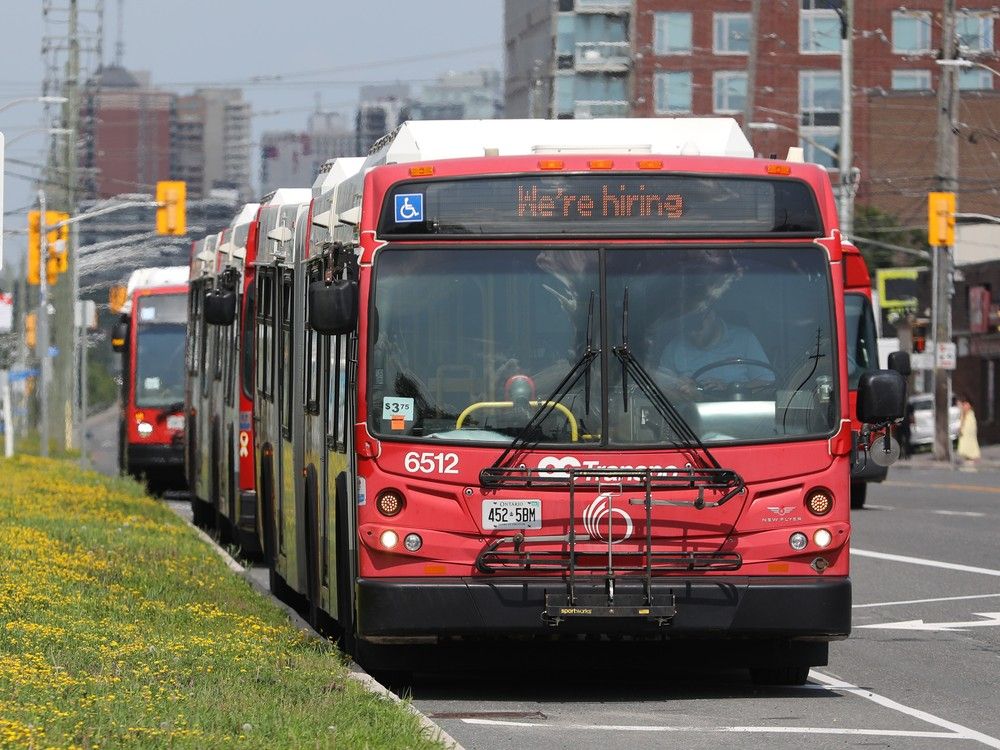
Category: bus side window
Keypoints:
(285, 351)
(310, 355)
(246, 334)
(265, 332)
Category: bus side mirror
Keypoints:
(220, 307)
(900, 362)
(333, 307)
(119, 336)
(881, 397)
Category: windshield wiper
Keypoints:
(492, 475)
(686, 436)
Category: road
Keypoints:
(919, 671)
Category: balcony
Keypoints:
(603, 6)
(589, 110)
(611, 57)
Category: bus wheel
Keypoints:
(859, 491)
(201, 513)
(764, 676)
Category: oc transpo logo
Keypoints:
(598, 518)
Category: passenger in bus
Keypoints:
(714, 354)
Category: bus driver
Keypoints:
(715, 354)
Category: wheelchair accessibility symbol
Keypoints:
(409, 208)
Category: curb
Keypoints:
(354, 671)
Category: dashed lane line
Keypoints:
(981, 488)
(725, 730)
(923, 561)
(926, 601)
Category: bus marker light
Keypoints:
(601, 163)
(650, 164)
(421, 171)
(777, 567)
(389, 538)
(550, 164)
(822, 537)
(435, 569)
(778, 169)
(145, 429)
(798, 540)
(819, 502)
(389, 502)
(413, 542)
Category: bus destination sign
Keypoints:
(576, 204)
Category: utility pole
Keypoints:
(748, 103)
(846, 156)
(42, 329)
(947, 182)
(64, 296)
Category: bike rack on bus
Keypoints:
(714, 487)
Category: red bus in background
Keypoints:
(525, 438)
(862, 357)
(150, 337)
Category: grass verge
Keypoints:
(120, 628)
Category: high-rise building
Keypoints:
(212, 141)
(380, 110)
(567, 58)
(470, 95)
(126, 133)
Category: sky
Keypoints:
(283, 54)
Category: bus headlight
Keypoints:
(822, 537)
(389, 539)
(145, 429)
(413, 542)
(798, 540)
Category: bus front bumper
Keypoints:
(401, 609)
(155, 456)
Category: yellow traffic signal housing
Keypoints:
(57, 260)
(116, 298)
(34, 247)
(171, 216)
(30, 335)
(941, 219)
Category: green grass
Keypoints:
(120, 628)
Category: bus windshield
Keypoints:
(159, 367)
(468, 344)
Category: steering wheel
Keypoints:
(732, 361)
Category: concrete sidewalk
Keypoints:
(924, 459)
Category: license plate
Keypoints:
(175, 422)
(512, 514)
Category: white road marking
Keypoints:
(926, 601)
(993, 621)
(963, 513)
(961, 732)
(869, 506)
(922, 561)
(743, 730)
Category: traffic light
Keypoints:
(116, 298)
(30, 334)
(171, 213)
(56, 261)
(918, 333)
(941, 219)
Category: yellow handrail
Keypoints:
(574, 432)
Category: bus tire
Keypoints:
(859, 491)
(773, 676)
(200, 513)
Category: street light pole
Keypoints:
(42, 328)
(846, 160)
(39, 99)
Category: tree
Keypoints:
(883, 227)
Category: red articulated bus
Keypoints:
(220, 358)
(576, 380)
(150, 337)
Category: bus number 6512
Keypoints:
(431, 463)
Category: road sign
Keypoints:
(6, 312)
(946, 355)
